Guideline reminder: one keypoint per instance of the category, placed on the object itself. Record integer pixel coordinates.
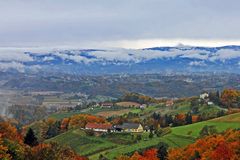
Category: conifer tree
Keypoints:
(30, 138)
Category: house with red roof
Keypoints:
(169, 103)
(98, 127)
(107, 104)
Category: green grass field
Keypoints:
(222, 123)
(81, 143)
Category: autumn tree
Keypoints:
(3, 150)
(52, 151)
(81, 120)
(195, 118)
(139, 98)
(135, 156)
(223, 146)
(15, 149)
(64, 124)
(9, 131)
(12, 147)
(123, 157)
(230, 97)
(150, 154)
(223, 151)
(179, 119)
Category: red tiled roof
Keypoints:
(169, 102)
(107, 104)
(98, 126)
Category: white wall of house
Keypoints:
(204, 95)
(97, 129)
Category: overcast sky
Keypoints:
(119, 23)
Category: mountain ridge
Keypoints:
(115, 61)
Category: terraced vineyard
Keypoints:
(83, 144)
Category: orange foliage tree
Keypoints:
(229, 97)
(215, 147)
(10, 132)
(3, 150)
(13, 147)
(179, 119)
(150, 154)
(195, 118)
(52, 151)
(81, 120)
(64, 124)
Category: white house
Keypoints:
(210, 103)
(204, 95)
(97, 127)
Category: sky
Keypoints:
(125, 23)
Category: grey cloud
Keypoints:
(12, 65)
(197, 63)
(61, 21)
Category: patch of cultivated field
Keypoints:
(66, 114)
(81, 143)
(112, 113)
(231, 118)
(128, 104)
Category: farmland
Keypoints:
(112, 113)
(78, 140)
(95, 111)
(178, 108)
(106, 112)
(128, 104)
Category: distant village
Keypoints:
(132, 127)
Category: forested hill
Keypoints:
(156, 85)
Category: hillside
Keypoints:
(222, 123)
(112, 146)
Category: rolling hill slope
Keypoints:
(179, 137)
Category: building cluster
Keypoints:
(205, 97)
(125, 127)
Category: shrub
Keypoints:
(89, 132)
(208, 130)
